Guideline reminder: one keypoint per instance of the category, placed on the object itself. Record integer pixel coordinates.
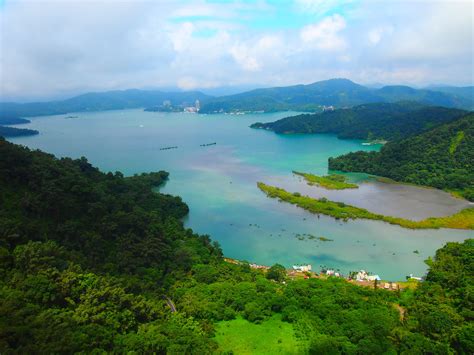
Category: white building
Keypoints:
(362, 275)
(302, 268)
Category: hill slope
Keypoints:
(371, 121)
(442, 157)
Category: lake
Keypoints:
(218, 182)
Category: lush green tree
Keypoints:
(276, 272)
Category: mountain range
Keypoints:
(338, 93)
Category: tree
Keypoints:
(276, 272)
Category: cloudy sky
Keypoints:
(61, 47)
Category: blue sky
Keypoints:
(54, 48)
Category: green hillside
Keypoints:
(386, 121)
(442, 157)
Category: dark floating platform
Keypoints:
(207, 144)
(167, 148)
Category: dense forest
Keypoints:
(98, 262)
(442, 157)
(386, 121)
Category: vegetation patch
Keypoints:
(339, 210)
(455, 142)
(272, 336)
(330, 182)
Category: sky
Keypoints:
(57, 48)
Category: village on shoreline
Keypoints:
(359, 278)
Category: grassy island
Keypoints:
(330, 182)
(339, 210)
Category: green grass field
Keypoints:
(270, 337)
(330, 182)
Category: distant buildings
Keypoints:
(362, 275)
(411, 277)
(193, 109)
(330, 272)
(302, 268)
(328, 108)
(256, 266)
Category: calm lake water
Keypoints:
(218, 182)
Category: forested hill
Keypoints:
(16, 132)
(13, 131)
(340, 93)
(95, 263)
(386, 121)
(442, 157)
(111, 100)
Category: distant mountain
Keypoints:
(442, 157)
(466, 92)
(111, 100)
(335, 92)
(429, 97)
(386, 121)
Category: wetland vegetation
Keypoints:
(339, 210)
(330, 182)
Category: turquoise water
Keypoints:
(218, 183)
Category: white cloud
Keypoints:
(241, 54)
(182, 36)
(325, 34)
(321, 7)
(375, 35)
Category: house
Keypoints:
(373, 278)
(256, 266)
(302, 268)
(331, 272)
(362, 275)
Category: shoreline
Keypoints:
(295, 274)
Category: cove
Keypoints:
(218, 182)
